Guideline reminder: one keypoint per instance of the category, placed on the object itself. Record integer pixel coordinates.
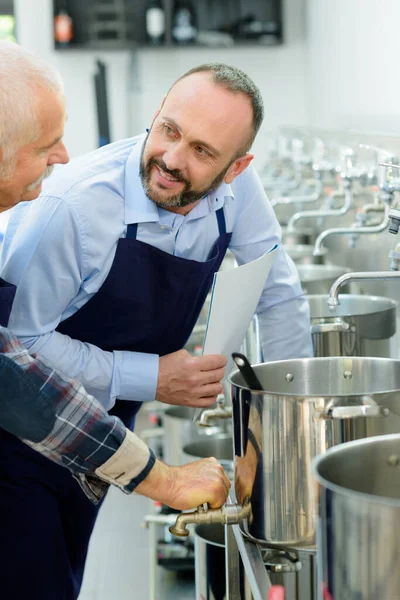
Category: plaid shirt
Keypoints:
(81, 436)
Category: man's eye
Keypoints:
(168, 130)
(202, 151)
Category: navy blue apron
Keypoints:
(149, 302)
(7, 294)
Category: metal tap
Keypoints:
(353, 231)
(333, 299)
(305, 199)
(229, 514)
(305, 214)
(220, 412)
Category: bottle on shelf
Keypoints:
(63, 26)
(184, 22)
(155, 22)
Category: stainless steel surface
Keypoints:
(278, 432)
(333, 212)
(304, 254)
(218, 445)
(211, 580)
(179, 430)
(253, 565)
(354, 231)
(359, 519)
(345, 279)
(296, 571)
(298, 236)
(359, 326)
(318, 279)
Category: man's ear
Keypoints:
(238, 167)
(159, 108)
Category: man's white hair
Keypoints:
(20, 72)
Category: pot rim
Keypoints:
(391, 305)
(346, 492)
(317, 359)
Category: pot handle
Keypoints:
(340, 326)
(353, 412)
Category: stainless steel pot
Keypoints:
(308, 406)
(303, 254)
(359, 326)
(210, 565)
(300, 235)
(220, 446)
(317, 279)
(359, 520)
(179, 430)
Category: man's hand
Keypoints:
(189, 380)
(188, 486)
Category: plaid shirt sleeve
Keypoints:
(81, 436)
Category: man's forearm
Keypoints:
(70, 427)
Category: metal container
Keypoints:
(308, 406)
(359, 326)
(179, 430)
(359, 520)
(210, 573)
(303, 254)
(300, 235)
(220, 446)
(317, 279)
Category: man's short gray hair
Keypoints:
(20, 72)
(236, 81)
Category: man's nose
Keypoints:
(59, 155)
(174, 158)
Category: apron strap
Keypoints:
(131, 232)
(221, 220)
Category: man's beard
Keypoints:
(184, 198)
(48, 171)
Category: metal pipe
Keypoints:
(306, 199)
(229, 514)
(333, 299)
(348, 200)
(318, 247)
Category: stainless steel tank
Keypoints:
(308, 406)
(180, 430)
(317, 279)
(359, 520)
(220, 446)
(359, 326)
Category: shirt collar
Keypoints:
(140, 209)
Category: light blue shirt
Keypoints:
(59, 249)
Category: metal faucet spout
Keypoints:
(333, 299)
(319, 242)
(230, 514)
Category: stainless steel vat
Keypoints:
(359, 326)
(220, 446)
(300, 235)
(317, 279)
(179, 430)
(308, 406)
(359, 520)
(303, 254)
(210, 566)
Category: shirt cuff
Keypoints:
(130, 464)
(135, 376)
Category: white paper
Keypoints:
(234, 298)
